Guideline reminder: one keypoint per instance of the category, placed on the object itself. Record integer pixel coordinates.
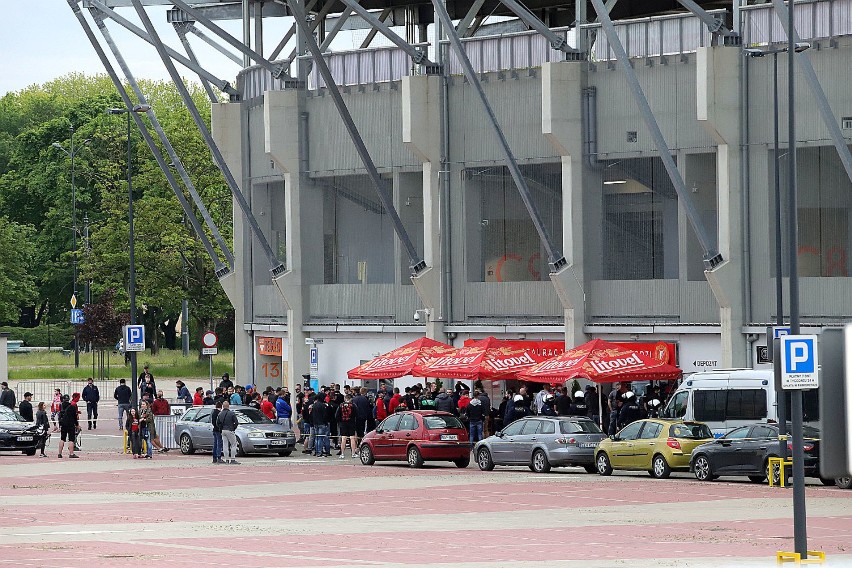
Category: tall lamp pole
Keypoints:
(72, 154)
(131, 248)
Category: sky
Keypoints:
(41, 40)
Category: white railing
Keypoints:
(659, 36)
(519, 50)
(366, 66)
(814, 19)
(256, 80)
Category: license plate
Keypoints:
(277, 442)
(449, 437)
(25, 438)
(588, 445)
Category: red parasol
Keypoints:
(602, 362)
(400, 361)
(488, 359)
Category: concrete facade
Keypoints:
(347, 280)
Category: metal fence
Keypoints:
(821, 19)
(366, 66)
(519, 50)
(659, 36)
(42, 389)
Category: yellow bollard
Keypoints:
(781, 464)
(814, 557)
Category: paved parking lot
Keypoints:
(107, 509)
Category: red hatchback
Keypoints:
(417, 436)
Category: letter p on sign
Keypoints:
(799, 363)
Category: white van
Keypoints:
(729, 398)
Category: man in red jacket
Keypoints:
(267, 408)
(161, 406)
(198, 397)
(394, 401)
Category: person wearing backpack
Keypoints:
(345, 416)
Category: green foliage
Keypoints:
(36, 235)
(575, 386)
(42, 336)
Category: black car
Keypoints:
(16, 434)
(745, 451)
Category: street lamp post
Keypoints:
(799, 527)
(72, 154)
(131, 246)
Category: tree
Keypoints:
(101, 327)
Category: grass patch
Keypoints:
(167, 363)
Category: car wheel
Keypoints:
(285, 453)
(484, 460)
(240, 452)
(774, 474)
(540, 463)
(702, 469)
(32, 452)
(415, 459)
(590, 469)
(462, 463)
(186, 447)
(757, 478)
(366, 455)
(843, 482)
(603, 465)
(660, 467)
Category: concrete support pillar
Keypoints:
(562, 86)
(421, 132)
(226, 124)
(718, 109)
(283, 130)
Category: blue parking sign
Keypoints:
(799, 362)
(134, 338)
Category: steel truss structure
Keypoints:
(186, 17)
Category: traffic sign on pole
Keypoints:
(799, 362)
(134, 338)
(77, 316)
(314, 363)
(209, 339)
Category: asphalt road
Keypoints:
(107, 509)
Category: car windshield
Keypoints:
(441, 422)
(579, 427)
(251, 416)
(10, 415)
(690, 431)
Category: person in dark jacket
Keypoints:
(444, 402)
(319, 426)
(227, 421)
(516, 410)
(217, 433)
(629, 411)
(25, 409)
(183, 392)
(226, 382)
(7, 396)
(363, 410)
(68, 425)
(578, 407)
(92, 396)
(476, 414)
(42, 428)
(122, 395)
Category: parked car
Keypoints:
(16, 433)
(657, 446)
(255, 433)
(417, 436)
(746, 451)
(542, 442)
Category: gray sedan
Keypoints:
(255, 433)
(542, 442)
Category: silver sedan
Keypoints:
(255, 432)
(541, 442)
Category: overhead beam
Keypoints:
(180, 29)
(715, 25)
(373, 31)
(338, 25)
(276, 267)
(417, 264)
(221, 269)
(530, 19)
(555, 258)
(222, 85)
(712, 257)
(417, 56)
(468, 18)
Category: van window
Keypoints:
(677, 407)
(732, 404)
(746, 404)
(709, 405)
